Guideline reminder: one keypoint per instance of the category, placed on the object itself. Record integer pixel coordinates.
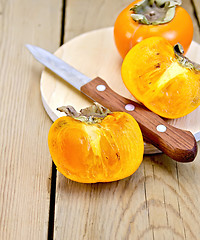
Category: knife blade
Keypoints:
(178, 144)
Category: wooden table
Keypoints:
(160, 201)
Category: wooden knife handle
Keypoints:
(178, 144)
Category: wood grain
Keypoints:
(25, 161)
(89, 15)
(192, 7)
(172, 189)
(160, 201)
(196, 10)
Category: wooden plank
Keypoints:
(172, 189)
(187, 4)
(160, 201)
(90, 15)
(197, 9)
(25, 160)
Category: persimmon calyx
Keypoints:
(184, 61)
(90, 115)
(154, 12)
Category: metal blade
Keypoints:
(197, 136)
(58, 66)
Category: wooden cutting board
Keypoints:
(94, 54)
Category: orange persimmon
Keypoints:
(160, 77)
(100, 147)
(144, 19)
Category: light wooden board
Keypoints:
(94, 54)
(25, 162)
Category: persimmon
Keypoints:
(96, 145)
(148, 18)
(160, 77)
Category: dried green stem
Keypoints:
(93, 114)
(154, 12)
(184, 61)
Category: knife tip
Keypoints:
(28, 46)
(32, 49)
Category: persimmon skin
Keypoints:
(99, 152)
(154, 76)
(127, 32)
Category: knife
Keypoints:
(178, 144)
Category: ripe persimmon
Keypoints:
(148, 18)
(96, 146)
(160, 77)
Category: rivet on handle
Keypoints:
(130, 107)
(101, 88)
(161, 128)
